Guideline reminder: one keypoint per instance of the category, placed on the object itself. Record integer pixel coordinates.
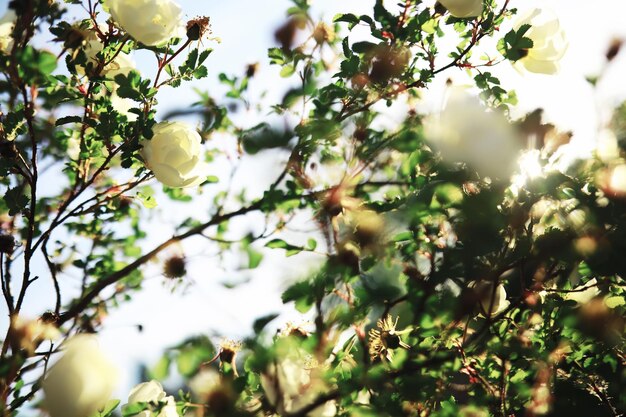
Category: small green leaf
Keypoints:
(287, 71)
(67, 119)
(260, 323)
(133, 409)
(161, 369)
(107, 410)
(15, 200)
(254, 257)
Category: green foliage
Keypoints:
(515, 45)
(405, 239)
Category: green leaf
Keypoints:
(363, 47)
(287, 71)
(281, 244)
(301, 294)
(254, 257)
(161, 369)
(67, 119)
(200, 72)
(15, 200)
(107, 410)
(133, 409)
(515, 45)
(204, 55)
(260, 323)
(147, 198)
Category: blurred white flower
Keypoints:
(617, 180)
(151, 22)
(174, 154)
(73, 147)
(584, 293)
(549, 41)
(606, 145)
(7, 23)
(205, 382)
(31, 332)
(293, 381)
(463, 8)
(152, 392)
(92, 46)
(484, 289)
(466, 131)
(81, 381)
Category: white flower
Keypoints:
(92, 46)
(205, 382)
(151, 22)
(484, 289)
(466, 131)
(617, 180)
(146, 392)
(174, 154)
(152, 392)
(32, 332)
(293, 382)
(7, 23)
(463, 8)
(549, 41)
(81, 381)
(121, 64)
(584, 293)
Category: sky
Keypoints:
(204, 305)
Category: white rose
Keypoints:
(484, 290)
(92, 46)
(466, 131)
(549, 42)
(151, 22)
(121, 64)
(7, 23)
(152, 392)
(463, 8)
(146, 392)
(81, 381)
(174, 154)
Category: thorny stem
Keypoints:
(166, 60)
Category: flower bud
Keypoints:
(175, 267)
(8, 149)
(614, 48)
(7, 243)
(197, 28)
